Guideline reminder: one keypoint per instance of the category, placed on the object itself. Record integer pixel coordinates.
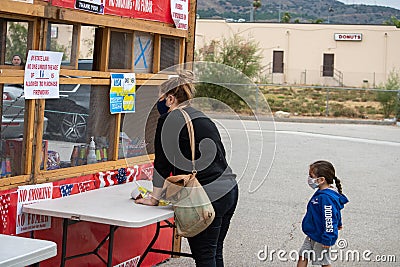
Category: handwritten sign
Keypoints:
(179, 13)
(122, 93)
(129, 263)
(42, 71)
(29, 194)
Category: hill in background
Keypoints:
(304, 11)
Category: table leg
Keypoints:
(150, 245)
(110, 245)
(64, 242)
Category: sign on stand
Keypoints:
(29, 194)
(95, 6)
(179, 13)
(42, 72)
(122, 93)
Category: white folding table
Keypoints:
(110, 205)
(21, 251)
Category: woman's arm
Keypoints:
(162, 168)
(153, 199)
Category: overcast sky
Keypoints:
(390, 3)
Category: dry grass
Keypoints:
(313, 102)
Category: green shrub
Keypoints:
(389, 100)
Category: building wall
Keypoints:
(364, 63)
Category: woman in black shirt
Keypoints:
(173, 156)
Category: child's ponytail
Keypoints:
(338, 185)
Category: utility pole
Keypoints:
(279, 11)
(330, 11)
(256, 4)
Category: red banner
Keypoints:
(159, 10)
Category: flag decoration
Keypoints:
(121, 176)
(148, 171)
(4, 206)
(132, 173)
(106, 178)
(66, 189)
(84, 186)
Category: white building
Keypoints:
(318, 54)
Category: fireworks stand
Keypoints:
(78, 116)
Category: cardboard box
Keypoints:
(14, 150)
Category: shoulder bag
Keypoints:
(193, 209)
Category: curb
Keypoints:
(304, 120)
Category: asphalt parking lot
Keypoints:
(272, 162)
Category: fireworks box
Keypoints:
(13, 149)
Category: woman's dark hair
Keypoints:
(325, 169)
(180, 86)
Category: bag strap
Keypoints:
(190, 128)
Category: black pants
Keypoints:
(207, 246)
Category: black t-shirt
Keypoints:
(173, 153)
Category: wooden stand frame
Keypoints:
(38, 15)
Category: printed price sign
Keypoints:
(42, 71)
(122, 93)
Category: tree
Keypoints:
(317, 21)
(243, 56)
(16, 42)
(286, 17)
(56, 47)
(393, 21)
(256, 4)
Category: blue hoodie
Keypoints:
(323, 217)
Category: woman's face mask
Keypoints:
(162, 106)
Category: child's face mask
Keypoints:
(312, 182)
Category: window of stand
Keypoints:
(15, 41)
(120, 52)
(170, 51)
(143, 52)
(137, 129)
(68, 117)
(62, 38)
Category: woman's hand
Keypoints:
(147, 201)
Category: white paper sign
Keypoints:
(29, 194)
(129, 263)
(42, 71)
(180, 13)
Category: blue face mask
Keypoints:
(162, 106)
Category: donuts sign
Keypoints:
(348, 37)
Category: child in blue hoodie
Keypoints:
(323, 219)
